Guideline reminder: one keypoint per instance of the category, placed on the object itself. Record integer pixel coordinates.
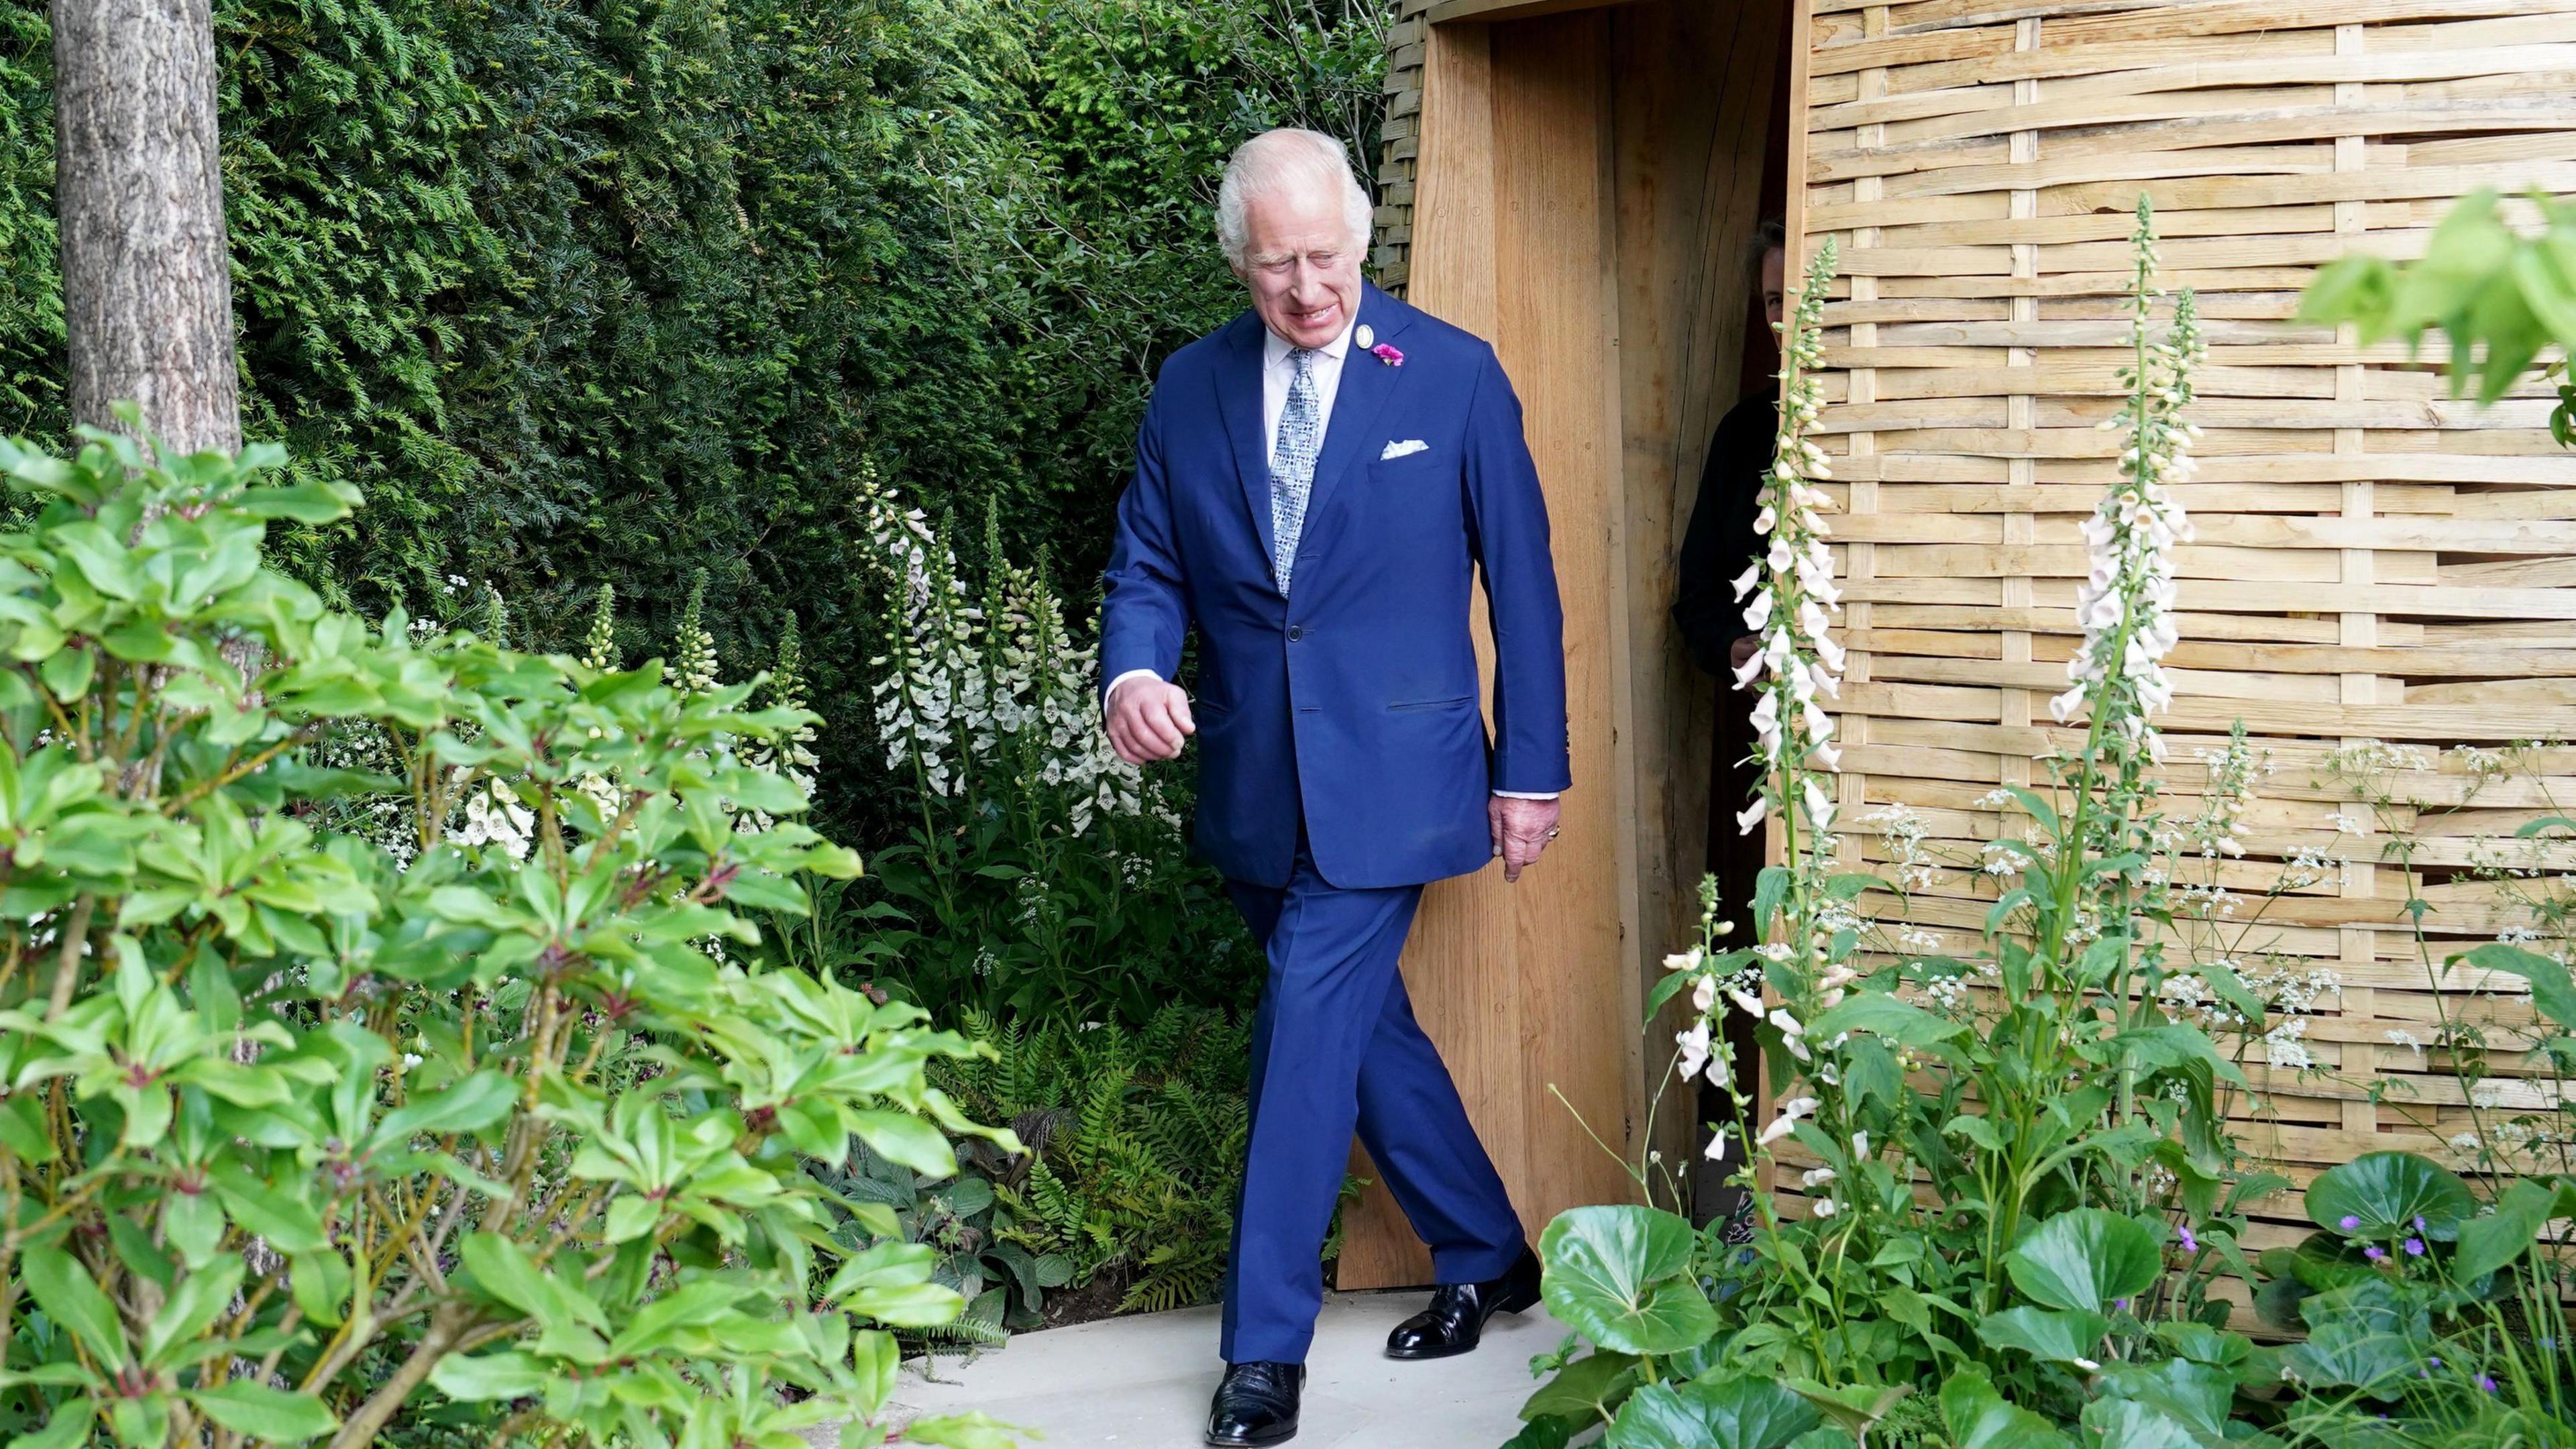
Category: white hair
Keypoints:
(1282, 160)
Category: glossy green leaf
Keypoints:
(72, 1422)
(2551, 989)
(1615, 1275)
(483, 1376)
(2085, 1259)
(962, 1431)
(2056, 1336)
(1587, 1391)
(2382, 1194)
(272, 1416)
(465, 1106)
(2126, 1424)
(1978, 1418)
(71, 1298)
(2498, 1240)
(1883, 1015)
(1733, 1413)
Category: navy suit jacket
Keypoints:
(1352, 703)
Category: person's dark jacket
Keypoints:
(1721, 542)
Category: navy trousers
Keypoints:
(1335, 1047)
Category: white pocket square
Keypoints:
(1405, 449)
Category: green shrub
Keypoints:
(1135, 1145)
(1040, 877)
(575, 289)
(298, 1134)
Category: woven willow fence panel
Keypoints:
(2375, 561)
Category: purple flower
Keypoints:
(1385, 352)
(2436, 1362)
(2419, 1222)
(2374, 1252)
(2190, 1244)
(2351, 1223)
(2414, 1247)
(2486, 1383)
(2121, 1304)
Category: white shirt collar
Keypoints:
(1275, 348)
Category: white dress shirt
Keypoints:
(1278, 371)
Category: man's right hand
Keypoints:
(1745, 645)
(1149, 720)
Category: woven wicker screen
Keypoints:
(2375, 561)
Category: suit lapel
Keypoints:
(1367, 384)
(1238, 395)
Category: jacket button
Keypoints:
(1295, 633)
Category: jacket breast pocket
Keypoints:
(1425, 463)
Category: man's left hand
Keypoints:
(1522, 828)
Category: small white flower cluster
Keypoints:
(2219, 828)
(1906, 831)
(1792, 589)
(2126, 603)
(2284, 1046)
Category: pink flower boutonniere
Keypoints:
(1385, 352)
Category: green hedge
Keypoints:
(596, 291)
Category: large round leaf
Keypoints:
(1735, 1413)
(2058, 1337)
(1978, 1418)
(1619, 1275)
(2383, 1193)
(2085, 1260)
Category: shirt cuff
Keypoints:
(1111, 692)
(1524, 795)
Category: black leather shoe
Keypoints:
(1256, 1403)
(1455, 1321)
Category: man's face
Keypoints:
(1775, 281)
(1300, 264)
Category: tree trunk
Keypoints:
(147, 283)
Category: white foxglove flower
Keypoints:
(1704, 994)
(1790, 1112)
(1750, 815)
(1819, 809)
(2126, 602)
(1694, 1045)
(1751, 1006)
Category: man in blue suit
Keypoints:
(1318, 485)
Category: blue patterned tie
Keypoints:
(1292, 463)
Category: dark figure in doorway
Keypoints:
(1717, 548)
